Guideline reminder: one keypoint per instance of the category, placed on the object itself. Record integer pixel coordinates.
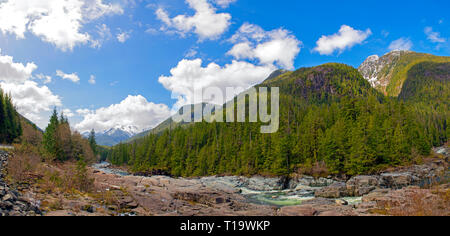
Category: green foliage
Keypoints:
(328, 114)
(399, 73)
(61, 144)
(92, 141)
(10, 124)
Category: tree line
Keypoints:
(10, 120)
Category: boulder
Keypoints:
(398, 180)
(336, 190)
(341, 202)
(361, 185)
(267, 184)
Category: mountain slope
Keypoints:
(331, 122)
(115, 135)
(165, 125)
(428, 82)
(388, 73)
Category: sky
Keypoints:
(121, 63)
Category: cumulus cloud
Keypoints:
(224, 3)
(72, 77)
(31, 100)
(346, 38)
(206, 22)
(277, 46)
(13, 72)
(401, 44)
(189, 76)
(434, 37)
(134, 111)
(53, 21)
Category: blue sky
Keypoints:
(140, 52)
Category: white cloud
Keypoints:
(206, 22)
(346, 38)
(123, 36)
(83, 111)
(13, 72)
(53, 21)
(45, 78)
(434, 37)
(401, 44)
(72, 77)
(92, 80)
(31, 100)
(133, 111)
(224, 3)
(276, 46)
(190, 75)
(68, 113)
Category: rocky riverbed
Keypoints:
(12, 203)
(303, 195)
(400, 191)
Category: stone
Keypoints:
(398, 180)
(330, 213)
(8, 197)
(132, 205)
(304, 210)
(336, 190)
(341, 202)
(361, 185)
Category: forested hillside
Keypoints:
(389, 72)
(331, 121)
(10, 120)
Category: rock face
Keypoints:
(11, 202)
(377, 70)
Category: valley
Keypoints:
(345, 147)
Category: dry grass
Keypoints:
(23, 165)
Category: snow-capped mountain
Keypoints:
(373, 67)
(115, 135)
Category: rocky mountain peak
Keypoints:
(372, 68)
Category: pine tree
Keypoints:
(49, 139)
(92, 141)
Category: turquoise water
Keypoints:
(275, 198)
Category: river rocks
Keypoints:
(336, 190)
(341, 202)
(301, 182)
(430, 173)
(267, 184)
(11, 203)
(361, 185)
(398, 180)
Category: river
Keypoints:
(258, 190)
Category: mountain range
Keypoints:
(114, 135)
(334, 118)
(386, 74)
